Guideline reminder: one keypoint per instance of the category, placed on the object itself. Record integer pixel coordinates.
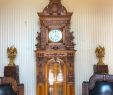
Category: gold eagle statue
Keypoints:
(11, 52)
(100, 53)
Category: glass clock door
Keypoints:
(55, 79)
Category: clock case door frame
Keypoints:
(55, 86)
(67, 57)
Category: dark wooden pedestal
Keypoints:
(100, 69)
(12, 71)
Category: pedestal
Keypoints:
(101, 69)
(12, 71)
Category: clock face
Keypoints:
(55, 35)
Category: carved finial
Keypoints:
(11, 52)
(100, 53)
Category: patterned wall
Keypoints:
(19, 26)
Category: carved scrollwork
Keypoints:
(41, 39)
(69, 42)
(53, 23)
(38, 45)
(56, 47)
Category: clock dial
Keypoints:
(55, 35)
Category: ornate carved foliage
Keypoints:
(38, 45)
(69, 42)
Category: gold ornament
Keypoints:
(100, 53)
(11, 52)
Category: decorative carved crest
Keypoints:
(55, 8)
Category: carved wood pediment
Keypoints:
(54, 8)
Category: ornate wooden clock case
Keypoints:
(55, 51)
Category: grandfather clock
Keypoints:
(55, 51)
